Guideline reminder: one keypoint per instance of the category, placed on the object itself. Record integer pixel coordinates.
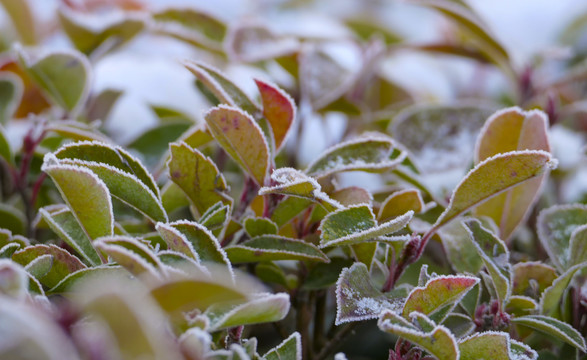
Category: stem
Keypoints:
(304, 315)
(335, 341)
(319, 320)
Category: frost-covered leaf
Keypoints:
(440, 138)
(399, 203)
(176, 241)
(372, 154)
(521, 305)
(64, 76)
(521, 351)
(438, 341)
(192, 26)
(460, 249)
(77, 131)
(495, 256)
(288, 209)
(578, 246)
(154, 142)
(253, 41)
(460, 325)
(494, 175)
(23, 20)
(263, 308)
(289, 349)
(197, 176)
(486, 345)
(131, 254)
(353, 195)
(324, 275)
(257, 226)
(86, 195)
(532, 278)
(509, 130)
(11, 91)
(62, 221)
(553, 327)
(40, 266)
(274, 247)
(197, 292)
(126, 187)
(242, 138)
(12, 219)
(549, 302)
(14, 280)
(114, 156)
(279, 109)
(7, 250)
(216, 218)
(437, 295)
(358, 299)
(356, 224)
(68, 283)
(555, 227)
(63, 262)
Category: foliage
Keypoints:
(213, 240)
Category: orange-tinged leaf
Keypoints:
(279, 109)
(399, 203)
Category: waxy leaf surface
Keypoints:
(274, 247)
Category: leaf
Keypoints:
(100, 105)
(197, 176)
(262, 309)
(274, 247)
(438, 293)
(352, 195)
(459, 248)
(257, 226)
(279, 109)
(440, 138)
(13, 280)
(487, 345)
(173, 198)
(125, 187)
(242, 138)
(324, 275)
(460, 325)
(86, 195)
(12, 219)
(357, 224)
(551, 297)
(40, 266)
(288, 208)
(63, 262)
(254, 41)
(289, 349)
(63, 76)
(438, 341)
(176, 241)
(186, 294)
(399, 203)
(555, 227)
(23, 20)
(203, 241)
(495, 256)
(372, 154)
(492, 176)
(509, 130)
(521, 305)
(83, 276)
(216, 217)
(102, 40)
(154, 142)
(11, 92)
(195, 27)
(532, 278)
(553, 327)
(76, 131)
(7, 250)
(131, 254)
(578, 246)
(114, 156)
(357, 299)
(521, 351)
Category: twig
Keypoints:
(335, 341)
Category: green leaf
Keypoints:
(83, 276)
(255, 41)
(289, 349)
(257, 226)
(549, 302)
(521, 351)
(487, 345)
(7, 250)
(216, 217)
(186, 294)
(154, 142)
(131, 254)
(459, 324)
(14, 280)
(176, 241)
(357, 224)
(532, 278)
(399, 203)
(106, 39)
(495, 256)
(63, 262)
(358, 299)
(173, 197)
(76, 131)
(438, 293)
(279, 110)
(324, 275)
(578, 246)
(203, 241)
(196, 136)
(62, 221)
(460, 249)
(5, 150)
(242, 138)
(274, 247)
(288, 209)
(11, 91)
(197, 176)
(23, 20)
(555, 227)
(518, 305)
(492, 176)
(269, 272)
(126, 187)
(101, 105)
(12, 219)
(553, 327)
(86, 195)
(262, 309)
(196, 28)
(438, 341)
(63, 76)
(114, 156)
(40, 266)
(367, 153)
(509, 130)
